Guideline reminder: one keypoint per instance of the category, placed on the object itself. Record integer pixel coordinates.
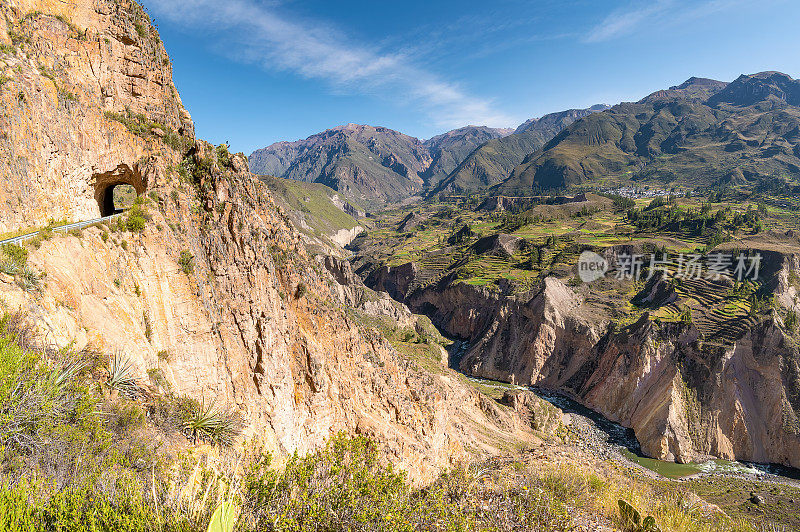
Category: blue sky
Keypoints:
(253, 72)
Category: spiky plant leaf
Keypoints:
(122, 374)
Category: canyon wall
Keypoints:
(215, 297)
(684, 398)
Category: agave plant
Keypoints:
(30, 280)
(65, 372)
(224, 517)
(121, 375)
(207, 422)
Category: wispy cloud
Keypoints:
(259, 33)
(659, 13)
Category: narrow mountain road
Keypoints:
(61, 228)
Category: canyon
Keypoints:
(282, 300)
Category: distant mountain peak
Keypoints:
(559, 116)
(751, 89)
(694, 87)
(699, 82)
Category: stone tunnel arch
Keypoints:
(104, 184)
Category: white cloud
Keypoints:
(655, 14)
(254, 32)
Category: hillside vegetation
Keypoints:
(700, 133)
(85, 449)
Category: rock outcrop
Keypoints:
(87, 96)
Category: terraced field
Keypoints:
(441, 238)
(719, 313)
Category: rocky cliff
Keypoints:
(685, 398)
(256, 325)
(87, 95)
(213, 296)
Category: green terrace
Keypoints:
(547, 240)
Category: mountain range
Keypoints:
(494, 160)
(700, 133)
(377, 165)
(372, 165)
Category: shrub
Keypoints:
(137, 218)
(30, 280)
(186, 262)
(223, 157)
(157, 377)
(140, 29)
(791, 320)
(16, 253)
(8, 265)
(125, 415)
(35, 397)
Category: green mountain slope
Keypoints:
(493, 161)
(449, 149)
(700, 133)
(322, 215)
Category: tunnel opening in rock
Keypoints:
(117, 189)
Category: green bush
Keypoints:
(137, 218)
(791, 320)
(125, 415)
(16, 253)
(345, 487)
(8, 265)
(223, 157)
(186, 262)
(81, 509)
(37, 396)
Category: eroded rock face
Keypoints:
(239, 330)
(250, 321)
(69, 65)
(685, 400)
